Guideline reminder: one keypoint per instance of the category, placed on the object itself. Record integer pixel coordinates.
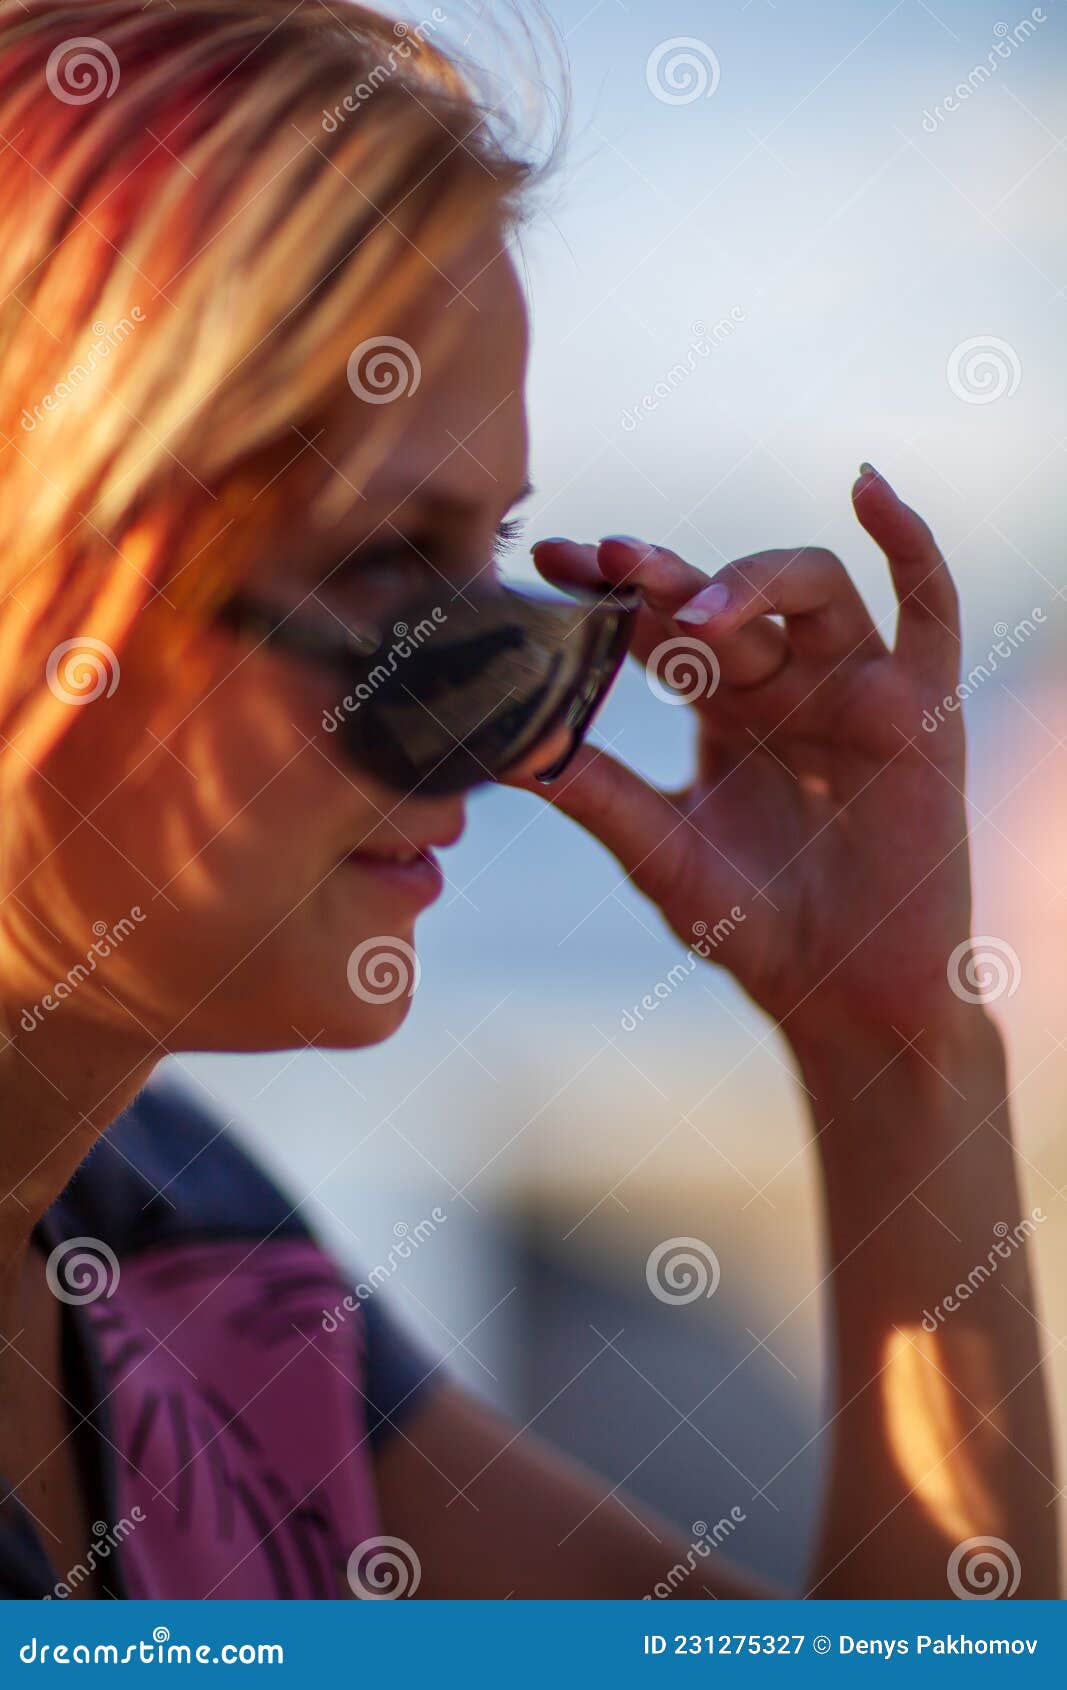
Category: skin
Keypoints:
(812, 782)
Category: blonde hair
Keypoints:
(204, 208)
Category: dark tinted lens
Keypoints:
(612, 641)
(467, 692)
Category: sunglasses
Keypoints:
(446, 698)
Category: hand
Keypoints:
(822, 812)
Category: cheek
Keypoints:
(227, 842)
(229, 824)
(245, 925)
(258, 808)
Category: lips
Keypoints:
(403, 868)
(398, 854)
(413, 880)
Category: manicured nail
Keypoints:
(622, 540)
(867, 479)
(710, 601)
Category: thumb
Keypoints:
(647, 835)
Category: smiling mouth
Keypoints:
(408, 873)
(390, 854)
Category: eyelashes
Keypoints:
(507, 535)
(418, 556)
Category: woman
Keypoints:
(230, 230)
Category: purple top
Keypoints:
(226, 1430)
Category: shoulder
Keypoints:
(169, 1175)
(167, 1170)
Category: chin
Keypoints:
(358, 1031)
(303, 1026)
(332, 991)
(362, 1039)
(345, 1002)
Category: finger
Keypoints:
(729, 700)
(928, 622)
(664, 579)
(746, 657)
(665, 582)
(810, 587)
(567, 563)
(637, 822)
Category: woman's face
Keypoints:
(276, 904)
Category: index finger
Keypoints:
(928, 622)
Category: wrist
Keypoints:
(838, 1046)
(873, 1089)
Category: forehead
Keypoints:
(465, 441)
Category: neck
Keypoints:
(60, 1085)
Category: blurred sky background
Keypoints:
(853, 249)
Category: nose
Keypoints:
(430, 821)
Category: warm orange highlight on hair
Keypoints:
(186, 263)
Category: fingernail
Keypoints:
(621, 540)
(550, 540)
(867, 469)
(710, 601)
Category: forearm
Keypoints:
(940, 1428)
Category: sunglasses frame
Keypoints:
(607, 632)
